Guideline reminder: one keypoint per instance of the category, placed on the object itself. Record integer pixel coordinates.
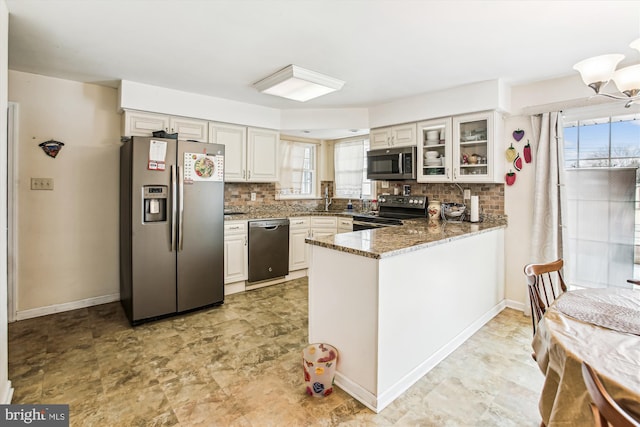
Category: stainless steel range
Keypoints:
(392, 210)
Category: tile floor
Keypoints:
(240, 365)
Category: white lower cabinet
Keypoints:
(236, 254)
(324, 226)
(300, 227)
(298, 251)
(345, 225)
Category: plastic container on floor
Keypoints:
(319, 364)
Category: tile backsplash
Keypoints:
(491, 196)
(238, 195)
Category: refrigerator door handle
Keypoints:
(174, 207)
(181, 202)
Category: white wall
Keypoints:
(139, 96)
(481, 96)
(550, 95)
(68, 237)
(518, 205)
(5, 384)
(323, 119)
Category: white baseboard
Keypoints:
(67, 306)
(378, 403)
(6, 393)
(516, 305)
(363, 396)
(234, 288)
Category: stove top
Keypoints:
(402, 206)
(392, 209)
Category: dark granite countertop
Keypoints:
(379, 243)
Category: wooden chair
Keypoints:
(606, 411)
(545, 284)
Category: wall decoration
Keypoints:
(517, 163)
(510, 177)
(51, 147)
(527, 152)
(511, 154)
(518, 134)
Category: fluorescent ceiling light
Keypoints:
(299, 84)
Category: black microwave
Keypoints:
(392, 163)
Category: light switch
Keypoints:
(42, 183)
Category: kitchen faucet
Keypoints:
(327, 200)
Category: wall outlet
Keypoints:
(42, 183)
(253, 197)
(467, 194)
(384, 184)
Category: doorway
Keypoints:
(12, 206)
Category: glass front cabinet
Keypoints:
(467, 147)
(434, 151)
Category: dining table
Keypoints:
(600, 327)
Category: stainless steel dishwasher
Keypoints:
(268, 249)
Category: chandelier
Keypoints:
(597, 71)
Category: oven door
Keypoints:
(392, 163)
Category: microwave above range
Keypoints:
(392, 163)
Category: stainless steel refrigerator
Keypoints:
(171, 225)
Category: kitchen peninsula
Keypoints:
(396, 301)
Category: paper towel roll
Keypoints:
(475, 209)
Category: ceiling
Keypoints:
(384, 50)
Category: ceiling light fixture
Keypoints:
(298, 84)
(597, 71)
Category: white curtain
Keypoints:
(546, 238)
(292, 168)
(349, 167)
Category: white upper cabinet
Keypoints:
(393, 136)
(138, 123)
(234, 139)
(434, 151)
(469, 144)
(251, 154)
(189, 129)
(478, 155)
(262, 155)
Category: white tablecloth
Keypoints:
(562, 342)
